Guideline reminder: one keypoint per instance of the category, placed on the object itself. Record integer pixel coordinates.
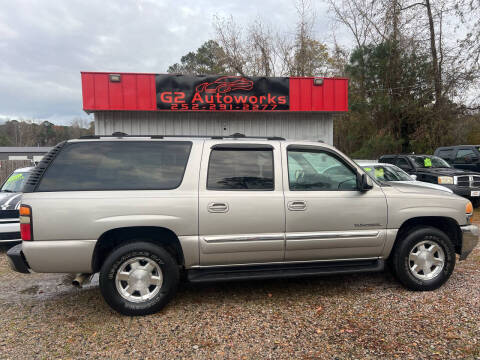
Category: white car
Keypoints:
(10, 197)
(389, 172)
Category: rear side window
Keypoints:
(240, 169)
(445, 153)
(387, 159)
(112, 165)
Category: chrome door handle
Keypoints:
(297, 205)
(216, 207)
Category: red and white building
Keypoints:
(167, 104)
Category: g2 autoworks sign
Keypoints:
(221, 93)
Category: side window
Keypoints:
(318, 171)
(117, 165)
(240, 169)
(402, 163)
(462, 154)
(445, 154)
(387, 159)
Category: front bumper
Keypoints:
(462, 190)
(469, 240)
(17, 260)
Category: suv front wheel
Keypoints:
(139, 278)
(424, 259)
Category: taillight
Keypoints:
(26, 226)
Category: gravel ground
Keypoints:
(341, 317)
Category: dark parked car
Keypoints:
(435, 170)
(465, 157)
(10, 197)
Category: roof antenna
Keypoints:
(238, 135)
(119, 134)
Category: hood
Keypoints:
(425, 184)
(446, 171)
(10, 201)
(414, 187)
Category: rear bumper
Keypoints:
(17, 260)
(470, 235)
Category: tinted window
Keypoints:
(240, 169)
(463, 153)
(403, 163)
(319, 171)
(445, 153)
(387, 159)
(115, 165)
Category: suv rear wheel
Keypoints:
(139, 278)
(424, 259)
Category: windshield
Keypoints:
(429, 162)
(15, 182)
(386, 173)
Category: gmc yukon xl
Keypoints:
(148, 211)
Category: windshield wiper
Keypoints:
(6, 190)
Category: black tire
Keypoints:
(140, 249)
(401, 264)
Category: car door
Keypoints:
(327, 217)
(241, 212)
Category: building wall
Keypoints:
(291, 125)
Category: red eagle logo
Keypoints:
(225, 84)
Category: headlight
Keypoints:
(445, 180)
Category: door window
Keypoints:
(402, 163)
(319, 171)
(462, 155)
(240, 169)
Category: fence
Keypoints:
(8, 166)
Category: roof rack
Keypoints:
(216, 137)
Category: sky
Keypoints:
(45, 44)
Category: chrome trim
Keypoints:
(282, 262)
(331, 235)
(237, 238)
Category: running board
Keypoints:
(224, 273)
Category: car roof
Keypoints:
(221, 139)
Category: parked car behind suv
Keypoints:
(10, 197)
(227, 208)
(390, 173)
(435, 170)
(465, 157)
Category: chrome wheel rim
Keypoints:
(139, 279)
(426, 260)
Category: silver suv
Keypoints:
(146, 211)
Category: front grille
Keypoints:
(468, 181)
(10, 236)
(463, 181)
(476, 181)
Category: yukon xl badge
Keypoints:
(366, 225)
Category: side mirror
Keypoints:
(414, 177)
(364, 183)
